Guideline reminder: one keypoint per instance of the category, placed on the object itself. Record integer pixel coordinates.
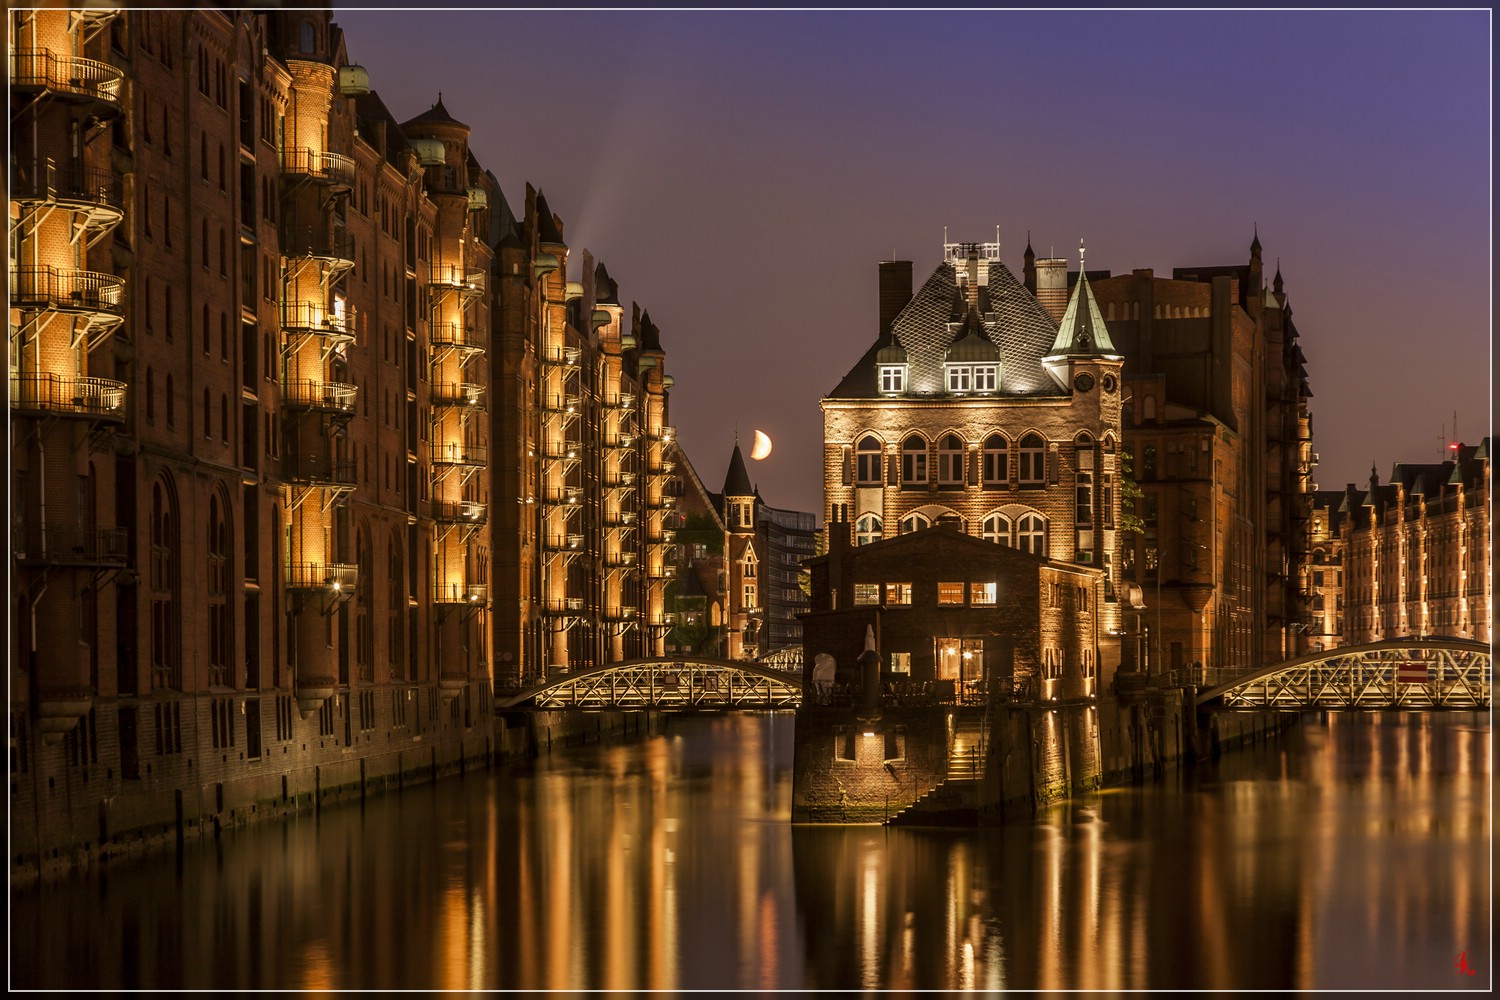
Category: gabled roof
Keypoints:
(1082, 331)
(1007, 315)
(546, 225)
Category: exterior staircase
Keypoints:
(955, 799)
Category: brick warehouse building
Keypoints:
(1207, 395)
(1219, 427)
(313, 443)
(1410, 557)
(976, 408)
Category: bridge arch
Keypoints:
(1395, 673)
(681, 682)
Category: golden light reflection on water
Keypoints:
(1352, 854)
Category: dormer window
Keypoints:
(986, 377)
(960, 377)
(892, 378)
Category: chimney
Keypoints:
(1052, 285)
(971, 290)
(895, 292)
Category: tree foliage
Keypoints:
(1130, 492)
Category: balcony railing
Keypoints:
(458, 512)
(89, 188)
(561, 494)
(31, 69)
(320, 165)
(472, 594)
(73, 546)
(457, 276)
(619, 559)
(457, 335)
(313, 317)
(566, 356)
(318, 244)
(66, 290)
(307, 394)
(616, 480)
(563, 543)
(620, 400)
(334, 577)
(321, 472)
(459, 453)
(562, 605)
(623, 613)
(457, 394)
(563, 403)
(85, 396)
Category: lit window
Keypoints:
(867, 454)
(996, 529)
(913, 461)
(983, 593)
(749, 596)
(898, 593)
(867, 593)
(867, 529)
(986, 377)
(892, 378)
(950, 593)
(951, 461)
(900, 663)
(960, 377)
(1084, 513)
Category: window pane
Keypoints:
(982, 593)
(867, 593)
(898, 593)
(950, 593)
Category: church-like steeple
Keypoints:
(737, 482)
(1082, 331)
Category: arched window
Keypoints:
(224, 418)
(996, 461)
(1033, 461)
(1148, 462)
(218, 596)
(1031, 535)
(171, 402)
(914, 522)
(996, 529)
(867, 529)
(307, 37)
(150, 395)
(208, 416)
(951, 461)
(166, 670)
(867, 456)
(913, 461)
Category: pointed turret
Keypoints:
(737, 481)
(1082, 331)
(1255, 244)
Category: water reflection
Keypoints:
(1352, 854)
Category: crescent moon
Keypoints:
(762, 446)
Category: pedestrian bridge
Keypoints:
(1395, 674)
(683, 683)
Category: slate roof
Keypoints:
(1082, 330)
(435, 115)
(546, 225)
(737, 482)
(938, 314)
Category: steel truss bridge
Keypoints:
(684, 684)
(1395, 674)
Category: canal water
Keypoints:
(1352, 852)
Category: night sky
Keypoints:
(741, 174)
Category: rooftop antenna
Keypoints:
(1080, 255)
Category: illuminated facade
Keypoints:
(1410, 557)
(979, 408)
(585, 466)
(296, 405)
(1218, 425)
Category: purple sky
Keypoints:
(741, 174)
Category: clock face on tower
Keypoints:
(1109, 383)
(1084, 382)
